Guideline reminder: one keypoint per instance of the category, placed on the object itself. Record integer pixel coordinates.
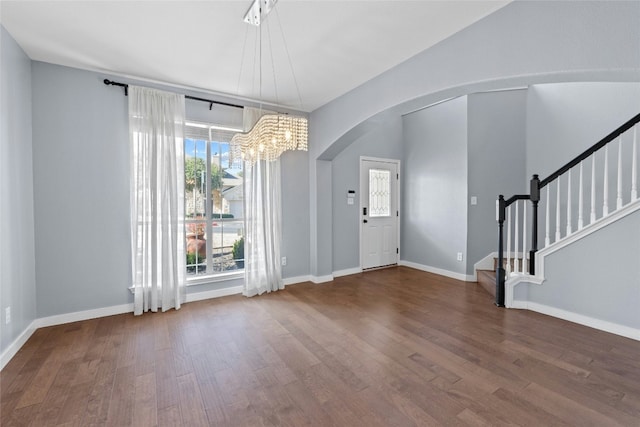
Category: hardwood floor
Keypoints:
(394, 347)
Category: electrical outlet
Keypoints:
(459, 256)
(284, 260)
(7, 315)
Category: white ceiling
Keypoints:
(333, 46)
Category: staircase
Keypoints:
(578, 199)
(487, 278)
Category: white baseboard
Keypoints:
(234, 290)
(298, 279)
(440, 271)
(521, 305)
(216, 293)
(602, 325)
(321, 279)
(17, 344)
(347, 272)
(77, 316)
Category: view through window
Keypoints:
(214, 217)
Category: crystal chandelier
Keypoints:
(272, 134)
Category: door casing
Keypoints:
(363, 186)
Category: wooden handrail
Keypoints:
(515, 198)
(589, 151)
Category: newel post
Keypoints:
(500, 275)
(534, 194)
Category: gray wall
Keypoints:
(17, 244)
(497, 163)
(81, 180)
(525, 42)
(434, 186)
(320, 215)
(567, 118)
(81, 183)
(383, 142)
(295, 213)
(585, 279)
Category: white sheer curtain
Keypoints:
(263, 213)
(156, 127)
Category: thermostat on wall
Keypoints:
(351, 195)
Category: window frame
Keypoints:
(209, 276)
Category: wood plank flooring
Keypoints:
(394, 347)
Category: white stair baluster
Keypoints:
(619, 198)
(558, 211)
(568, 202)
(580, 201)
(634, 165)
(547, 240)
(516, 261)
(605, 201)
(524, 237)
(508, 241)
(592, 218)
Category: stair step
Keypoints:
(487, 281)
(511, 262)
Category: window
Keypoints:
(214, 217)
(379, 192)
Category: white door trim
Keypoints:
(398, 199)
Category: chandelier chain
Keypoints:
(286, 48)
(244, 47)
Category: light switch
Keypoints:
(474, 200)
(350, 201)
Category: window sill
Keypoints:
(215, 278)
(205, 280)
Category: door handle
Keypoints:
(365, 221)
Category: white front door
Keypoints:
(379, 216)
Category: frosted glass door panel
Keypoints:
(379, 193)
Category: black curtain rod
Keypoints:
(195, 98)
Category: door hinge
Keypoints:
(397, 250)
(397, 213)
(397, 176)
